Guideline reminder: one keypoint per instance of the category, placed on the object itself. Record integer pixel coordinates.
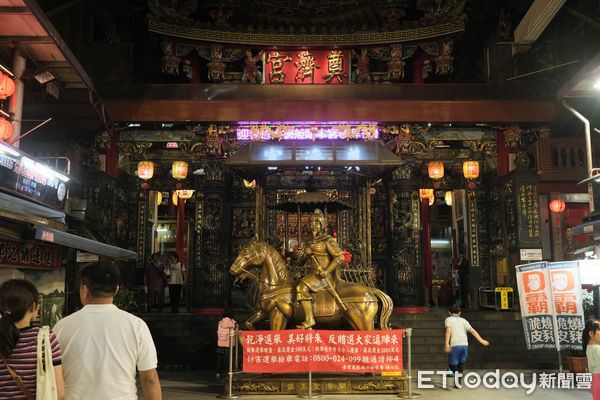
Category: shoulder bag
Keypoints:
(46, 381)
(18, 381)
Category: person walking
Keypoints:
(223, 326)
(457, 341)
(154, 282)
(18, 342)
(104, 346)
(591, 345)
(176, 276)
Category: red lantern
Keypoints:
(426, 193)
(471, 169)
(179, 169)
(557, 206)
(185, 194)
(7, 86)
(145, 169)
(436, 169)
(6, 129)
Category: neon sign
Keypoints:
(291, 131)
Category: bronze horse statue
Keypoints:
(277, 295)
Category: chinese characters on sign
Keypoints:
(551, 304)
(307, 67)
(30, 178)
(28, 255)
(528, 214)
(536, 305)
(566, 291)
(473, 228)
(141, 233)
(301, 350)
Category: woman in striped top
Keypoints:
(18, 340)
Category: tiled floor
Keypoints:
(202, 385)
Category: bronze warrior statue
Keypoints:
(324, 256)
(320, 298)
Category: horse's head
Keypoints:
(250, 256)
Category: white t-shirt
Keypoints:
(593, 358)
(459, 328)
(176, 273)
(102, 348)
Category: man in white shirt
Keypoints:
(103, 346)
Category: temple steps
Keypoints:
(504, 331)
(187, 341)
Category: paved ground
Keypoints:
(202, 385)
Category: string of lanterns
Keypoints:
(7, 88)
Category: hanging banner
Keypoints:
(301, 350)
(537, 310)
(566, 292)
(29, 255)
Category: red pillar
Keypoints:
(180, 228)
(426, 246)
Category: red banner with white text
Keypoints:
(301, 350)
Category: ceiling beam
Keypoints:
(27, 39)
(583, 16)
(464, 111)
(14, 10)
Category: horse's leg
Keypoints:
(360, 316)
(254, 318)
(277, 319)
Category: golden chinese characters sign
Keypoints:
(292, 66)
(528, 213)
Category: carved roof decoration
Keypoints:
(307, 22)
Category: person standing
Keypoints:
(18, 341)
(463, 280)
(176, 275)
(591, 345)
(223, 326)
(103, 346)
(457, 340)
(154, 282)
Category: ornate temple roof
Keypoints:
(307, 22)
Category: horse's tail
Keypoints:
(386, 309)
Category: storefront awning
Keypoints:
(67, 239)
(15, 204)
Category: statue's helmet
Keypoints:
(320, 218)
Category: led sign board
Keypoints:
(31, 178)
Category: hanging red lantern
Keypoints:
(6, 129)
(179, 170)
(436, 169)
(471, 169)
(145, 169)
(7, 86)
(426, 193)
(557, 206)
(185, 193)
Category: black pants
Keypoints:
(175, 295)
(222, 360)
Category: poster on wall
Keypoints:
(51, 286)
(537, 309)
(566, 293)
(551, 305)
